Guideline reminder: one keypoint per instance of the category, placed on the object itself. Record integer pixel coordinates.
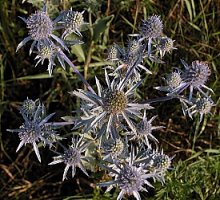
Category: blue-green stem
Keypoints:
(77, 72)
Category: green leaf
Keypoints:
(78, 51)
(188, 5)
(217, 151)
(100, 26)
(38, 76)
(194, 26)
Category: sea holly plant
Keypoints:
(111, 119)
(46, 43)
(36, 128)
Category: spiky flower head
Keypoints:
(152, 27)
(197, 73)
(50, 53)
(39, 25)
(28, 107)
(195, 76)
(72, 21)
(155, 162)
(72, 157)
(165, 45)
(109, 108)
(35, 128)
(173, 81)
(160, 162)
(115, 102)
(40, 30)
(114, 53)
(131, 59)
(144, 131)
(130, 179)
(202, 106)
(134, 48)
(114, 148)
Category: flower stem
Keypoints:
(77, 72)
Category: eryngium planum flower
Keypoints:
(72, 157)
(35, 128)
(152, 27)
(72, 21)
(164, 45)
(134, 53)
(108, 109)
(144, 131)
(195, 76)
(114, 149)
(50, 53)
(201, 106)
(173, 82)
(130, 179)
(155, 162)
(40, 30)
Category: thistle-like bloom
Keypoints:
(40, 30)
(165, 45)
(115, 53)
(144, 131)
(159, 164)
(114, 149)
(173, 82)
(50, 53)
(129, 60)
(109, 108)
(134, 53)
(155, 162)
(72, 21)
(130, 179)
(195, 76)
(35, 128)
(202, 106)
(72, 157)
(152, 27)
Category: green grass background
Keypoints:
(195, 27)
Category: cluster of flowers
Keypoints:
(111, 119)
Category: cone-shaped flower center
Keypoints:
(174, 80)
(161, 162)
(152, 27)
(134, 47)
(204, 105)
(72, 156)
(130, 179)
(46, 52)
(28, 107)
(74, 19)
(144, 128)
(40, 26)
(116, 102)
(30, 135)
(165, 44)
(198, 73)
